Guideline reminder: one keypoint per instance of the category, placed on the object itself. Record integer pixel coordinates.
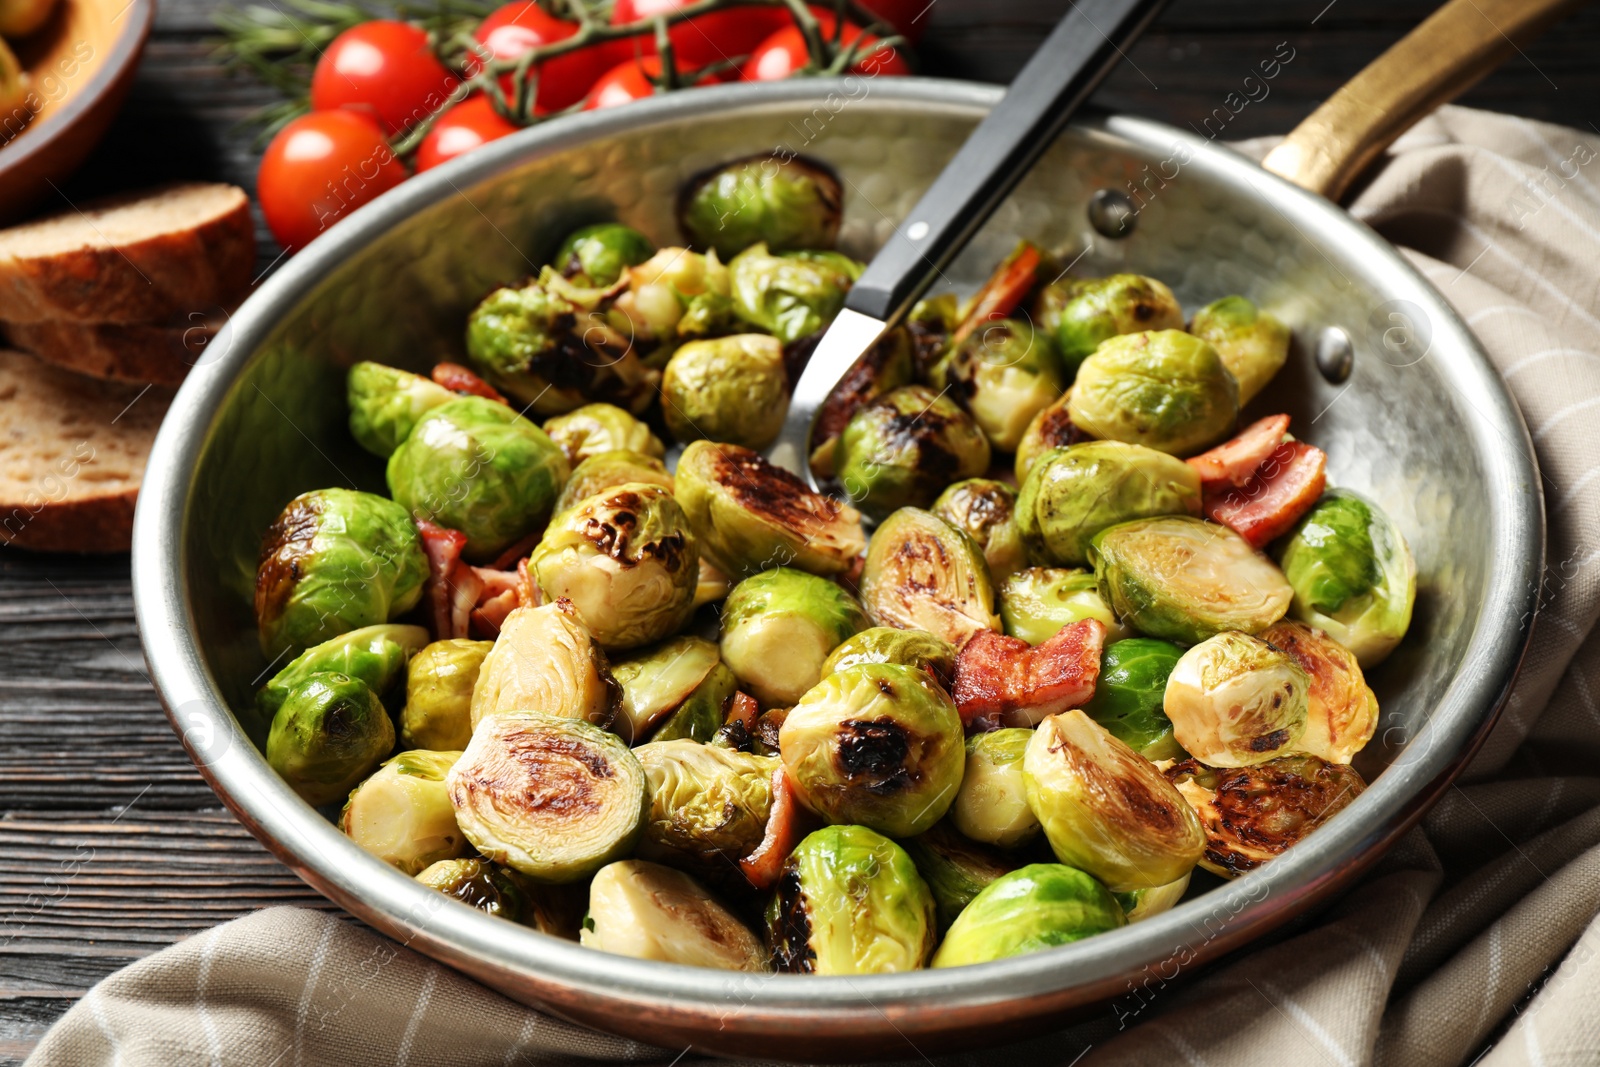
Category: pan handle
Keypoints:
(1443, 57)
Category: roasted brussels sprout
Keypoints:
(386, 403)
(373, 654)
(1105, 809)
(1341, 709)
(1235, 700)
(1073, 493)
(778, 628)
(482, 885)
(1005, 374)
(850, 901)
(606, 469)
(1139, 904)
(886, 644)
(544, 660)
(554, 798)
(402, 813)
(1037, 602)
(652, 912)
(677, 294)
(877, 745)
(596, 429)
(657, 681)
(1082, 313)
(789, 203)
(883, 368)
(731, 389)
(439, 684)
(924, 574)
(330, 731)
(955, 869)
(793, 294)
(992, 804)
(1352, 575)
(1253, 344)
(700, 716)
(1185, 580)
(748, 514)
(1166, 390)
(708, 805)
(1130, 693)
(333, 561)
(1031, 909)
(712, 586)
(477, 466)
(903, 448)
(1050, 428)
(595, 256)
(985, 510)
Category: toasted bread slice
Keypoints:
(133, 352)
(72, 455)
(150, 257)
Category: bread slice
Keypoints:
(72, 455)
(130, 353)
(150, 257)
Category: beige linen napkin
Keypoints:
(1477, 932)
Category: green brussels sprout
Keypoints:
(333, 561)
(373, 654)
(554, 798)
(992, 804)
(906, 446)
(482, 885)
(712, 586)
(877, 745)
(625, 560)
(386, 403)
(477, 466)
(850, 901)
(1253, 344)
(1073, 493)
(657, 681)
(1341, 709)
(704, 712)
(328, 734)
(544, 659)
(1139, 904)
(789, 203)
(924, 574)
(709, 806)
(1031, 909)
(778, 628)
(1185, 580)
(597, 429)
(955, 869)
(677, 294)
(1129, 696)
(731, 389)
(1050, 428)
(606, 469)
(883, 368)
(1005, 374)
(595, 256)
(1166, 390)
(1235, 700)
(1105, 809)
(439, 684)
(402, 813)
(1082, 313)
(652, 912)
(886, 644)
(985, 511)
(1037, 602)
(1352, 575)
(793, 294)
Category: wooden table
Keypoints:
(111, 846)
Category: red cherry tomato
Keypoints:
(630, 81)
(321, 167)
(785, 52)
(522, 25)
(384, 68)
(465, 126)
(910, 17)
(719, 37)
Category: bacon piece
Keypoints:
(521, 550)
(1271, 502)
(499, 594)
(443, 548)
(1000, 681)
(744, 709)
(1234, 462)
(463, 599)
(1006, 288)
(458, 379)
(763, 866)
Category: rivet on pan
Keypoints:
(1112, 214)
(1335, 354)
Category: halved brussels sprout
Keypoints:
(1073, 493)
(924, 574)
(1082, 313)
(439, 684)
(992, 804)
(483, 885)
(597, 429)
(554, 798)
(705, 711)
(402, 813)
(1341, 709)
(477, 466)
(877, 745)
(712, 585)
(793, 294)
(1352, 575)
(328, 734)
(1105, 809)
(850, 901)
(955, 869)
(1185, 580)
(677, 294)
(1252, 814)
(595, 256)
(1051, 428)
(652, 912)
(544, 660)
(657, 681)
(1139, 904)
(1166, 390)
(1253, 344)
(749, 515)
(386, 403)
(903, 448)
(1037, 602)
(787, 202)
(884, 367)
(984, 510)
(1234, 700)
(778, 628)
(886, 644)
(1031, 909)
(333, 561)
(373, 654)
(1004, 373)
(1130, 693)
(731, 389)
(606, 469)
(708, 805)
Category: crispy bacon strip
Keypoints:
(458, 379)
(1000, 681)
(763, 866)
(499, 594)
(1006, 288)
(1270, 503)
(744, 709)
(462, 599)
(1234, 462)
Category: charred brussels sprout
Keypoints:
(877, 745)
(850, 901)
(544, 660)
(1341, 709)
(1080, 314)
(1130, 693)
(1050, 428)
(885, 367)
(885, 644)
(677, 294)
(1185, 580)
(924, 574)
(556, 799)
(595, 256)
(1253, 345)
(1005, 374)
(955, 869)
(1037, 602)
(330, 731)
(708, 805)
(992, 804)
(792, 295)
(1031, 909)
(1140, 904)
(984, 510)
(1166, 390)
(902, 449)
(402, 814)
(658, 681)
(606, 469)
(789, 203)
(1073, 493)
(375, 655)
(652, 912)
(778, 628)
(1352, 575)
(335, 560)
(731, 389)
(386, 403)
(1235, 700)
(477, 466)
(482, 885)
(595, 429)
(439, 684)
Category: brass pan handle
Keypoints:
(1443, 57)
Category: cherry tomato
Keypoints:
(465, 126)
(715, 38)
(384, 68)
(321, 167)
(630, 81)
(785, 52)
(523, 25)
(910, 17)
